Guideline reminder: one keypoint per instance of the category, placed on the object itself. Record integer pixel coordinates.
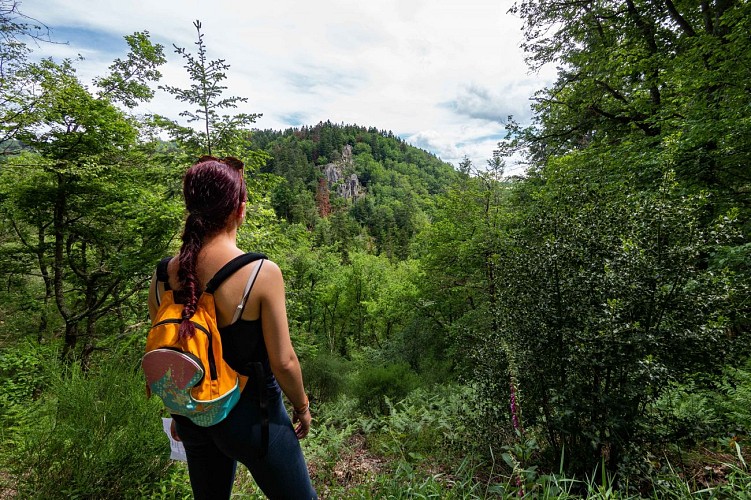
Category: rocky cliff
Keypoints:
(340, 176)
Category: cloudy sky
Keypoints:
(441, 74)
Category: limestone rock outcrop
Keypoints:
(341, 178)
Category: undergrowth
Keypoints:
(89, 434)
(70, 433)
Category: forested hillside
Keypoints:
(581, 330)
(364, 179)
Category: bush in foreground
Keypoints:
(91, 435)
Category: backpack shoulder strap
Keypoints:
(162, 276)
(161, 271)
(230, 268)
(248, 287)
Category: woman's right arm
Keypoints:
(282, 356)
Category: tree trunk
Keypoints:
(71, 338)
(58, 223)
(48, 288)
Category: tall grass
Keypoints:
(90, 435)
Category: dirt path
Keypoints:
(355, 466)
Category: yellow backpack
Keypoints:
(190, 375)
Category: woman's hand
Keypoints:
(303, 423)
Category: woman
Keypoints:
(254, 332)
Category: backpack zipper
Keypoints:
(212, 363)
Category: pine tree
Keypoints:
(220, 133)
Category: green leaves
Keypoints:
(607, 299)
(625, 240)
(128, 81)
(77, 195)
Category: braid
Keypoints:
(186, 273)
(213, 190)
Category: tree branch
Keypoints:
(679, 19)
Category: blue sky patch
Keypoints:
(295, 119)
(101, 41)
(315, 79)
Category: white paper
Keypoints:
(177, 449)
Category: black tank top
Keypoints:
(242, 345)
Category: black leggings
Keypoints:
(213, 453)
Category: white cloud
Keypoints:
(435, 141)
(495, 104)
(437, 73)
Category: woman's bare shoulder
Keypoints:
(271, 274)
(271, 267)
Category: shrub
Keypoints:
(426, 422)
(604, 299)
(735, 397)
(374, 385)
(21, 373)
(325, 375)
(93, 435)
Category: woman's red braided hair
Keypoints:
(213, 189)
